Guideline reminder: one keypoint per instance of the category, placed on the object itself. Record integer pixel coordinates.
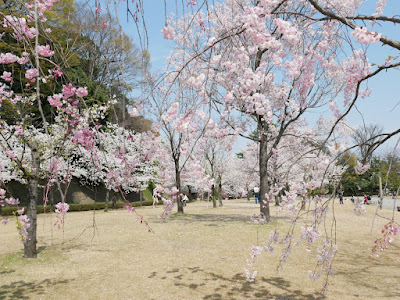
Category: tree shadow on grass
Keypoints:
(22, 289)
(237, 287)
(4, 272)
(365, 272)
(214, 218)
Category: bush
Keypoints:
(11, 210)
(147, 195)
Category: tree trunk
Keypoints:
(107, 199)
(220, 193)
(30, 243)
(380, 191)
(214, 196)
(303, 203)
(263, 160)
(114, 200)
(141, 198)
(178, 186)
(277, 199)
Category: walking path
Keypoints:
(388, 202)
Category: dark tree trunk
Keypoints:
(178, 186)
(30, 243)
(107, 199)
(52, 191)
(220, 193)
(277, 199)
(214, 196)
(264, 187)
(114, 200)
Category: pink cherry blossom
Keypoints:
(310, 234)
(172, 112)
(31, 73)
(23, 225)
(30, 32)
(68, 91)
(380, 5)
(12, 201)
(7, 76)
(133, 112)
(45, 51)
(55, 100)
(6, 58)
(364, 36)
(62, 208)
(196, 81)
(99, 9)
(168, 32)
(129, 208)
(57, 72)
(81, 92)
(23, 60)
(11, 154)
(289, 32)
(361, 168)
(5, 221)
(19, 130)
(55, 165)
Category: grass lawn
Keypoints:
(199, 255)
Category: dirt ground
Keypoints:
(199, 255)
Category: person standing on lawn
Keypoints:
(340, 196)
(256, 194)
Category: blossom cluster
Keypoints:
(388, 232)
(361, 168)
(364, 36)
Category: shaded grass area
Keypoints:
(199, 255)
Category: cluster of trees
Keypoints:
(265, 66)
(89, 50)
(385, 166)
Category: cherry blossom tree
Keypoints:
(32, 149)
(261, 71)
(182, 124)
(217, 144)
(263, 65)
(126, 162)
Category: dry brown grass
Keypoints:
(200, 255)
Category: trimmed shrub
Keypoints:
(11, 210)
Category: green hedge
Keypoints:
(147, 195)
(10, 210)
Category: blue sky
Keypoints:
(380, 108)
